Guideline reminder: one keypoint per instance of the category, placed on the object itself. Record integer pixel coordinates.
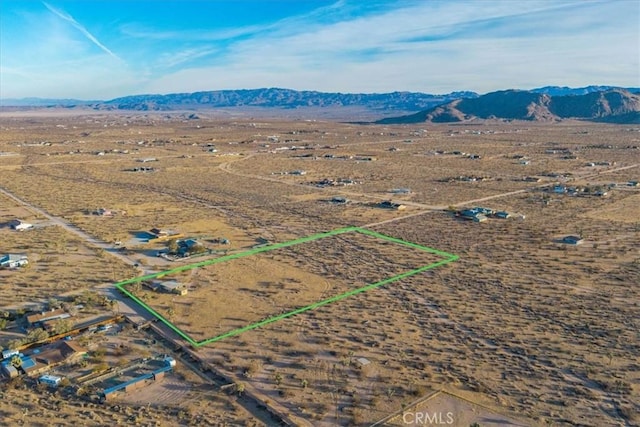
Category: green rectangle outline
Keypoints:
(447, 258)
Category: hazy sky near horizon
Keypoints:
(102, 49)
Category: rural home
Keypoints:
(6, 354)
(169, 286)
(59, 352)
(13, 261)
(472, 214)
(141, 169)
(559, 189)
(37, 319)
(103, 212)
(186, 247)
(168, 363)
(158, 233)
(173, 287)
(20, 225)
(572, 240)
(50, 380)
(364, 158)
(339, 200)
(401, 191)
(25, 365)
(388, 204)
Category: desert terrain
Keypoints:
(524, 328)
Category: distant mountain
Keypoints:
(602, 103)
(564, 90)
(43, 102)
(280, 98)
(613, 106)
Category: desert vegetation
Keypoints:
(537, 330)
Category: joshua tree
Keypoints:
(37, 334)
(278, 378)
(240, 387)
(115, 307)
(63, 326)
(16, 361)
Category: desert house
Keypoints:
(20, 364)
(572, 240)
(559, 189)
(168, 363)
(50, 380)
(159, 234)
(388, 204)
(7, 354)
(339, 200)
(502, 214)
(37, 320)
(186, 247)
(103, 212)
(20, 225)
(59, 352)
(168, 286)
(474, 214)
(401, 191)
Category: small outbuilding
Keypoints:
(50, 380)
(13, 261)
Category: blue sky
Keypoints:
(102, 49)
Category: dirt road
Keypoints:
(54, 220)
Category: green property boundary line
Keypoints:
(447, 258)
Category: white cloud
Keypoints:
(434, 46)
(173, 59)
(481, 46)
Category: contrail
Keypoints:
(83, 30)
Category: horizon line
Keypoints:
(37, 98)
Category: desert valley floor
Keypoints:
(520, 326)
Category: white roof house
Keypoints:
(20, 225)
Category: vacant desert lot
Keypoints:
(526, 326)
(243, 291)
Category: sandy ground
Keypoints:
(528, 327)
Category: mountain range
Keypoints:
(604, 103)
(611, 105)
